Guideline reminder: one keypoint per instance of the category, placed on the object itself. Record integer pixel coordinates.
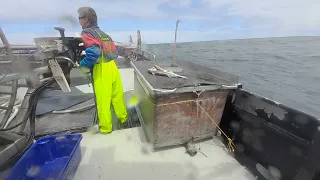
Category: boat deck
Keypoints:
(125, 154)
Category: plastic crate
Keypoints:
(50, 158)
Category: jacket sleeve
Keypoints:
(92, 49)
(92, 55)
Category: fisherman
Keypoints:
(100, 55)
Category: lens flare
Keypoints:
(132, 101)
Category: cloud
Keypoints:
(288, 12)
(282, 14)
(51, 10)
(201, 19)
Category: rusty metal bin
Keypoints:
(173, 111)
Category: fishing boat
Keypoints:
(190, 122)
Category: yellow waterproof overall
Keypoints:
(108, 90)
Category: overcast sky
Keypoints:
(201, 19)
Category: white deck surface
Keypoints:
(124, 155)
(127, 81)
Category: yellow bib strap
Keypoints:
(101, 44)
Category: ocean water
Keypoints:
(286, 70)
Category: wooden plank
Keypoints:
(59, 75)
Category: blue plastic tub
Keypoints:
(50, 158)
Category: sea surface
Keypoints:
(286, 70)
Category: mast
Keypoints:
(175, 42)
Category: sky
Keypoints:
(202, 20)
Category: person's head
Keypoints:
(87, 17)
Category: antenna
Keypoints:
(138, 39)
(174, 45)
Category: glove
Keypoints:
(93, 53)
(76, 65)
(83, 69)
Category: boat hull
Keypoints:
(269, 134)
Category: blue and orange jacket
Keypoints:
(96, 42)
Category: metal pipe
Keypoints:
(62, 58)
(235, 86)
(175, 42)
(13, 115)
(6, 44)
(17, 102)
(14, 81)
(46, 79)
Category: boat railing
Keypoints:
(119, 43)
(19, 49)
(146, 55)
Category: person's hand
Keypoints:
(85, 70)
(76, 65)
(92, 55)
